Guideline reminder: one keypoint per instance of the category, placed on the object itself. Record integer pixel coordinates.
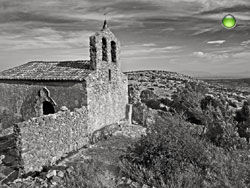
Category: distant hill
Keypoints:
(221, 75)
(238, 84)
(157, 74)
(198, 74)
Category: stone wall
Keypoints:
(46, 139)
(10, 156)
(19, 98)
(107, 100)
(42, 141)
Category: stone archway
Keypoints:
(44, 104)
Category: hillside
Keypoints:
(165, 84)
(195, 130)
(162, 82)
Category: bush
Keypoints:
(169, 150)
(173, 156)
(222, 130)
(243, 119)
(188, 100)
(155, 104)
(147, 95)
(165, 101)
(210, 101)
(83, 175)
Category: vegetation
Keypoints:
(174, 155)
(83, 175)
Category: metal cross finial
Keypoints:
(105, 25)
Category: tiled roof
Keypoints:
(52, 70)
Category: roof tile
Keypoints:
(52, 70)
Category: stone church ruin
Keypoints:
(94, 91)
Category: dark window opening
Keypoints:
(109, 75)
(104, 50)
(48, 108)
(113, 51)
(92, 52)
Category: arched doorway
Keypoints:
(48, 108)
(44, 104)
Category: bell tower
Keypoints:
(104, 47)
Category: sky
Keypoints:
(174, 35)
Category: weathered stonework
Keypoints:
(107, 86)
(45, 139)
(106, 100)
(42, 141)
(11, 165)
(99, 85)
(19, 98)
(95, 92)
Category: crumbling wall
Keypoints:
(41, 141)
(46, 139)
(10, 156)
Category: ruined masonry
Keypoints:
(91, 94)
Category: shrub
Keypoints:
(210, 101)
(243, 114)
(243, 119)
(165, 101)
(171, 155)
(169, 149)
(83, 175)
(187, 100)
(155, 104)
(147, 95)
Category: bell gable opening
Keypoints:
(113, 51)
(104, 49)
